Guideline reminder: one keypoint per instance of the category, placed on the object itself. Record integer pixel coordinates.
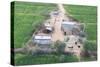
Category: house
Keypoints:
(70, 28)
(42, 39)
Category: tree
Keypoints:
(60, 46)
(90, 51)
(90, 46)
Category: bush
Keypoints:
(60, 46)
(90, 46)
(90, 51)
(71, 58)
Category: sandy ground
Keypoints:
(56, 22)
(58, 34)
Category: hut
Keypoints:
(70, 28)
(42, 39)
(48, 28)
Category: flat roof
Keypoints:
(68, 22)
(42, 37)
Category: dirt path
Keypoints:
(76, 47)
(64, 13)
(58, 34)
(56, 22)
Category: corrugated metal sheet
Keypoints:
(42, 41)
(67, 25)
(69, 22)
(42, 37)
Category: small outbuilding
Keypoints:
(48, 28)
(67, 27)
(42, 39)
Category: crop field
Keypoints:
(28, 17)
(88, 16)
(43, 59)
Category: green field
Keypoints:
(87, 15)
(43, 59)
(28, 17)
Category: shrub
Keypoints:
(90, 51)
(71, 58)
(90, 46)
(60, 46)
